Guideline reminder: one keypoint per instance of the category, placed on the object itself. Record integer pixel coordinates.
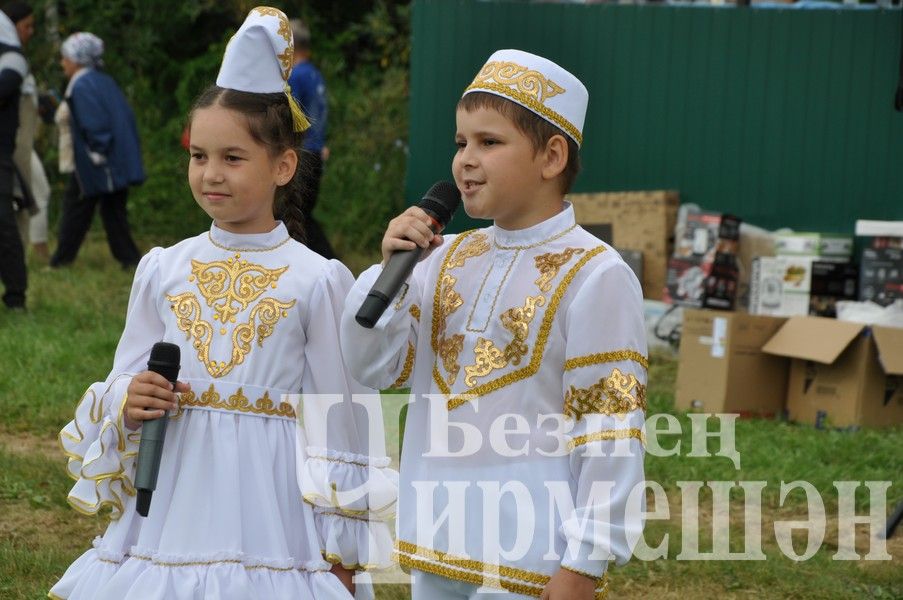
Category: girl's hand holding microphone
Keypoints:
(149, 396)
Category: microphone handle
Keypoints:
(153, 433)
(389, 282)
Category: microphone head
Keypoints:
(442, 200)
(164, 359)
(166, 353)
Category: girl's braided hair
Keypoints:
(269, 123)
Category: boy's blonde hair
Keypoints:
(538, 130)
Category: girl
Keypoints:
(256, 315)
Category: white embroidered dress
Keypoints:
(256, 318)
(542, 321)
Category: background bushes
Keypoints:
(164, 52)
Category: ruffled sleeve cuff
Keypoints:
(354, 498)
(101, 450)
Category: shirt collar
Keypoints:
(537, 234)
(238, 242)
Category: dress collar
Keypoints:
(248, 242)
(546, 231)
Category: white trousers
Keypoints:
(426, 586)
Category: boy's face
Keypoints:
(497, 170)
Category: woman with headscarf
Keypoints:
(104, 155)
(13, 69)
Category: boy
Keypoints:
(524, 346)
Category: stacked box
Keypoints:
(640, 221)
(703, 270)
(881, 275)
(786, 286)
(826, 246)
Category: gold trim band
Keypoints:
(607, 435)
(476, 572)
(606, 357)
(531, 103)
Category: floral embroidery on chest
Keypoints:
(229, 287)
(509, 344)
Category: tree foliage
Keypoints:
(163, 53)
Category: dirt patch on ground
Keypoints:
(27, 527)
(29, 444)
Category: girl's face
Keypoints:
(232, 176)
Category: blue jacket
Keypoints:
(102, 122)
(309, 90)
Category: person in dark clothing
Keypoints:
(105, 150)
(309, 90)
(13, 69)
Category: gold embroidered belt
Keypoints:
(232, 397)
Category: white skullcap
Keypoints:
(537, 84)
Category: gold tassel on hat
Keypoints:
(299, 119)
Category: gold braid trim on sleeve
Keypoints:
(605, 436)
(406, 370)
(617, 394)
(602, 358)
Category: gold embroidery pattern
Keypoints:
(406, 370)
(237, 402)
(415, 312)
(446, 302)
(285, 59)
(536, 244)
(268, 11)
(450, 300)
(188, 314)
(517, 320)
(525, 81)
(488, 358)
(449, 350)
(230, 282)
(617, 394)
(225, 284)
(477, 244)
(439, 304)
(606, 435)
(532, 104)
(527, 583)
(606, 357)
(542, 336)
(549, 265)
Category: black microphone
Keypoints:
(164, 359)
(440, 203)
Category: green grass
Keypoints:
(67, 339)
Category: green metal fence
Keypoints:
(783, 117)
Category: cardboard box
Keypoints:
(722, 367)
(842, 374)
(799, 285)
(829, 246)
(642, 221)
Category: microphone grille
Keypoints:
(165, 353)
(443, 199)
